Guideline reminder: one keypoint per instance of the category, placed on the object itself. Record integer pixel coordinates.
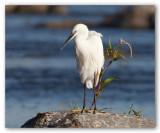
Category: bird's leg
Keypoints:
(94, 101)
(84, 100)
(94, 86)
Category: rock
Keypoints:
(140, 17)
(69, 119)
(39, 9)
(11, 8)
(59, 10)
(33, 9)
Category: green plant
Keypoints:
(114, 54)
(133, 112)
(71, 106)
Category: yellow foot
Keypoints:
(94, 111)
(80, 110)
(88, 111)
(77, 110)
(84, 110)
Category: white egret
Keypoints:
(89, 57)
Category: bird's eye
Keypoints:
(74, 32)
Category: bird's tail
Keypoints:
(92, 83)
(96, 78)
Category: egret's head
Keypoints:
(79, 29)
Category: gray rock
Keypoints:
(71, 119)
(135, 17)
(11, 8)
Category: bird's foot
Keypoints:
(95, 111)
(77, 110)
(88, 111)
(84, 110)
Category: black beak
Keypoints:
(68, 39)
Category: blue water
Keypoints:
(39, 77)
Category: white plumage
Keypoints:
(89, 54)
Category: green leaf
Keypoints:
(115, 53)
(135, 113)
(102, 86)
(106, 81)
(130, 109)
(110, 46)
(115, 59)
(75, 106)
(122, 56)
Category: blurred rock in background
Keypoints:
(142, 17)
(41, 9)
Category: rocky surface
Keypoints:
(71, 119)
(140, 17)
